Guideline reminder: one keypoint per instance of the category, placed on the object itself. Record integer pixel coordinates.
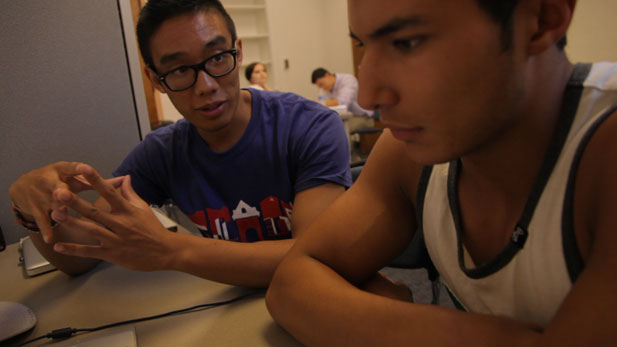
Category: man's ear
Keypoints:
(552, 20)
(156, 83)
(239, 56)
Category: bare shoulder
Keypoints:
(595, 207)
(374, 217)
(595, 198)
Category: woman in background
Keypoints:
(257, 74)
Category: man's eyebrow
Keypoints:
(170, 57)
(394, 26)
(216, 41)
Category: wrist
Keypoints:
(180, 254)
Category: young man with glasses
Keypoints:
(237, 164)
(501, 153)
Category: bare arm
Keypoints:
(350, 241)
(332, 102)
(251, 264)
(134, 238)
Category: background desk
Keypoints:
(111, 293)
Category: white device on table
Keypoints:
(168, 223)
(34, 262)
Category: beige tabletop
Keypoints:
(111, 293)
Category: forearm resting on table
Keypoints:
(320, 308)
(253, 264)
(237, 263)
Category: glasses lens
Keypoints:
(181, 78)
(221, 64)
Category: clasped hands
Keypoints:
(122, 229)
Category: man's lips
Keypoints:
(212, 110)
(406, 134)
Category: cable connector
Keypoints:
(61, 333)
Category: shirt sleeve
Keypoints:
(347, 90)
(322, 152)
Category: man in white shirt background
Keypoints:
(342, 89)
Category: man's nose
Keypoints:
(375, 89)
(205, 83)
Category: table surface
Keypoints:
(110, 293)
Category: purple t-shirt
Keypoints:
(245, 193)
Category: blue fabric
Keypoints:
(245, 193)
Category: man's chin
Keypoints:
(211, 126)
(426, 156)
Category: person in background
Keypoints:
(501, 153)
(340, 89)
(244, 165)
(257, 75)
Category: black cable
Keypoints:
(68, 331)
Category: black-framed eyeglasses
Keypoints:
(184, 77)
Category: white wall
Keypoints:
(297, 30)
(338, 44)
(309, 34)
(593, 32)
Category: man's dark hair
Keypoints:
(155, 12)
(318, 73)
(502, 11)
(248, 72)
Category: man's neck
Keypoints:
(223, 139)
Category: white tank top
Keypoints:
(531, 276)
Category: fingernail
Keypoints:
(58, 215)
(59, 247)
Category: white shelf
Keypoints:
(250, 17)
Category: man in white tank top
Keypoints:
(501, 153)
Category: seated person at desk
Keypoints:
(257, 75)
(340, 89)
(511, 181)
(237, 164)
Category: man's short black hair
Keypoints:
(502, 11)
(318, 73)
(155, 12)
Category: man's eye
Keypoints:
(407, 44)
(217, 58)
(182, 70)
